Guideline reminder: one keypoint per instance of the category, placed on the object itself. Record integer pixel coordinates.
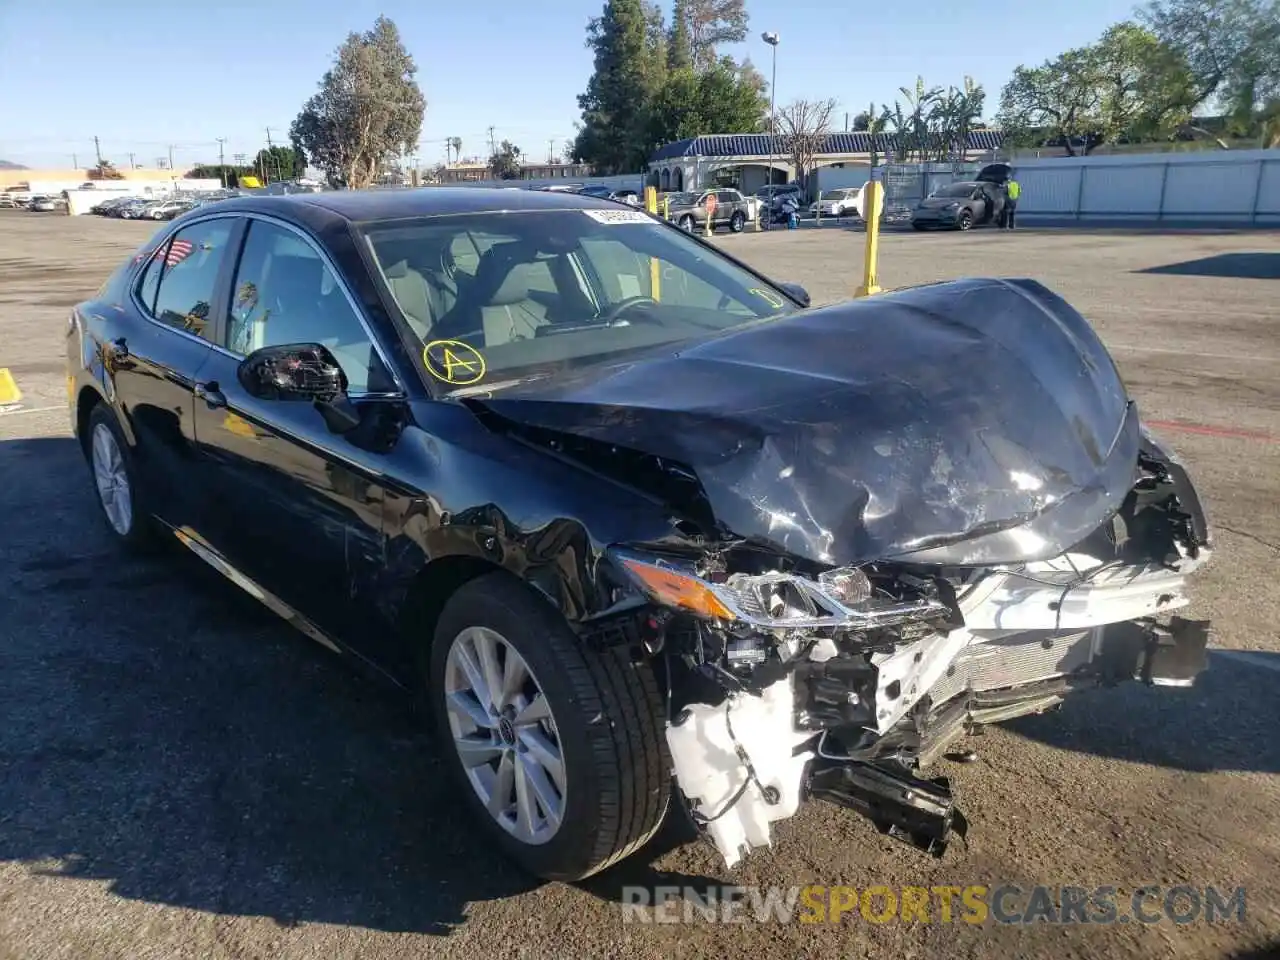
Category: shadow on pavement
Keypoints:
(1227, 721)
(163, 733)
(1238, 266)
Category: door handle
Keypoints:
(210, 394)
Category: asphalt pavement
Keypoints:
(181, 775)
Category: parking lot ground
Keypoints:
(181, 775)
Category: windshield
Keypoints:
(835, 194)
(955, 190)
(496, 297)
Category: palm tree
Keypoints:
(455, 144)
(920, 101)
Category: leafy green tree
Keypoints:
(1231, 47)
(505, 164)
(278, 163)
(718, 100)
(368, 106)
(709, 24)
(1127, 86)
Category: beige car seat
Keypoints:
(510, 314)
(413, 294)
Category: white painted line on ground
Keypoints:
(24, 410)
(1189, 355)
(1251, 658)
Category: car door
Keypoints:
(295, 506)
(153, 364)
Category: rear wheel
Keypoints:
(737, 221)
(115, 478)
(686, 224)
(558, 747)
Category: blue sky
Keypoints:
(141, 74)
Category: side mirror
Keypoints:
(292, 371)
(796, 292)
(301, 371)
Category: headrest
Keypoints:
(397, 271)
(515, 286)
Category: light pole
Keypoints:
(772, 38)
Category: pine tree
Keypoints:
(614, 107)
(679, 47)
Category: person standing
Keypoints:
(1013, 190)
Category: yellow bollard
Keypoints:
(872, 205)
(9, 392)
(666, 208)
(655, 268)
(755, 207)
(711, 213)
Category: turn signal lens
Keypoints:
(677, 590)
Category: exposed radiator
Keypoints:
(1014, 661)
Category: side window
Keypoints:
(187, 276)
(150, 281)
(284, 292)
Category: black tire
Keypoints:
(608, 717)
(964, 221)
(686, 224)
(140, 535)
(738, 221)
(917, 226)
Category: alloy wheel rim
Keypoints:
(505, 735)
(112, 480)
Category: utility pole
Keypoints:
(97, 148)
(274, 160)
(551, 151)
(493, 147)
(222, 167)
(75, 162)
(171, 156)
(131, 161)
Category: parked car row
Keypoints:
(36, 203)
(148, 208)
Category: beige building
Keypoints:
(15, 178)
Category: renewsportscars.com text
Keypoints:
(971, 904)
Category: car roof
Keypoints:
(363, 205)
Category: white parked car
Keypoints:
(837, 203)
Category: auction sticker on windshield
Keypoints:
(618, 216)
(453, 362)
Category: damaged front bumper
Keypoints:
(847, 696)
(753, 759)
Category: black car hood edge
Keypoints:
(969, 422)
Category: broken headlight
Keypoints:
(839, 598)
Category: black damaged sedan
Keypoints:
(648, 531)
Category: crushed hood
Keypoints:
(970, 422)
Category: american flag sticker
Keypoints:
(179, 250)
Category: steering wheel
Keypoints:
(614, 313)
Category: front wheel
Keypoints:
(558, 747)
(737, 221)
(965, 220)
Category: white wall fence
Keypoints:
(626, 181)
(1240, 187)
